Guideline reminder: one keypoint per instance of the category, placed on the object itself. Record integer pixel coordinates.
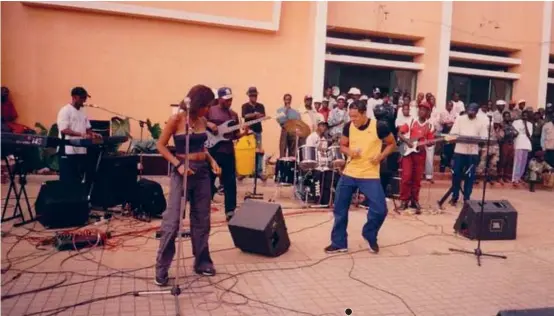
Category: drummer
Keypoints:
(319, 140)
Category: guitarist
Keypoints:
(413, 165)
(224, 152)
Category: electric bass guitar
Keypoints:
(405, 150)
(226, 128)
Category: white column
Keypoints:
(444, 51)
(320, 35)
(545, 53)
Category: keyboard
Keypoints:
(33, 140)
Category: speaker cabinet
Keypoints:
(259, 227)
(499, 220)
(62, 205)
(115, 181)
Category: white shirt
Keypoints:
(401, 120)
(75, 120)
(522, 141)
(466, 127)
(371, 103)
(459, 106)
(311, 117)
(483, 117)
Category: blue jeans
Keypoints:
(461, 165)
(372, 189)
(259, 157)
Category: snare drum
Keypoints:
(307, 157)
(336, 158)
(284, 170)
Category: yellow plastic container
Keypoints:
(245, 154)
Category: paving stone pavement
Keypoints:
(414, 274)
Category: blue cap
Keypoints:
(472, 107)
(224, 93)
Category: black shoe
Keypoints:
(453, 202)
(373, 246)
(403, 206)
(161, 281)
(442, 169)
(416, 206)
(205, 271)
(333, 249)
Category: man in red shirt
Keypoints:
(324, 110)
(9, 115)
(413, 165)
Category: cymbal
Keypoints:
(292, 126)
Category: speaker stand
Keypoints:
(254, 195)
(477, 252)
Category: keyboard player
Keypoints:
(73, 123)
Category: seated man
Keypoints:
(318, 140)
(9, 115)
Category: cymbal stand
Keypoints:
(176, 289)
(297, 155)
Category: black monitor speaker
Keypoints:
(499, 220)
(259, 227)
(61, 205)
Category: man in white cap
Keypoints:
(309, 115)
(354, 93)
(373, 101)
(363, 99)
(497, 112)
(459, 105)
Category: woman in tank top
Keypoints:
(199, 99)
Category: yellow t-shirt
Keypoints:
(368, 140)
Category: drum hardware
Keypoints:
(307, 157)
(254, 195)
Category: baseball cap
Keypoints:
(500, 102)
(472, 107)
(252, 91)
(354, 91)
(341, 97)
(364, 97)
(224, 93)
(308, 97)
(521, 101)
(80, 91)
(376, 90)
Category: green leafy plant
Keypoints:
(48, 156)
(155, 130)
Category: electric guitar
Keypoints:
(405, 150)
(224, 129)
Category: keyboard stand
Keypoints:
(18, 172)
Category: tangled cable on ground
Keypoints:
(191, 282)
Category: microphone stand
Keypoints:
(477, 251)
(176, 289)
(141, 125)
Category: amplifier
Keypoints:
(101, 127)
(115, 181)
(62, 205)
(499, 220)
(154, 165)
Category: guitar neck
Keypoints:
(237, 127)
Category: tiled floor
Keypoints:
(415, 273)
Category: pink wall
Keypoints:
(139, 66)
(416, 20)
(505, 27)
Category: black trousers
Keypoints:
(446, 156)
(228, 179)
(77, 168)
(549, 157)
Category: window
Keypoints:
(404, 80)
(479, 89)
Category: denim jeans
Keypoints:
(372, 189)
(259, 157)
(463, 163)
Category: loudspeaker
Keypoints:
(259, 227)
(61, 205)
(549, 311)
(115, 181)
(149, 198)
(499, 222)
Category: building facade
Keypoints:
(137, 58)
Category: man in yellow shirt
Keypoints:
(362, 140)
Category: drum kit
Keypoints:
(313, 173)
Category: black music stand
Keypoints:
(477, 251)
(254, 195)
(18, 171)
